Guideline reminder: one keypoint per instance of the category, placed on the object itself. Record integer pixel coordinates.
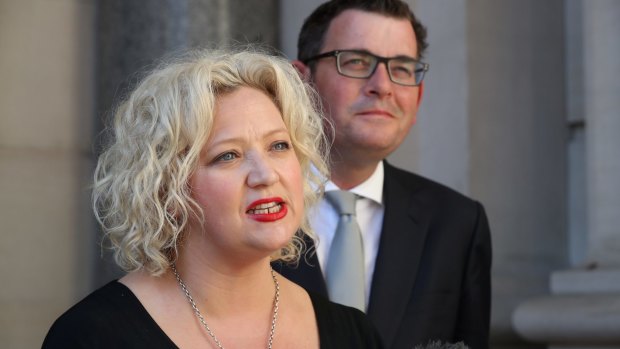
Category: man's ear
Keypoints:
(302, 69)
(419, 97)
(420, 92)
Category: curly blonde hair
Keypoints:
(141, 196)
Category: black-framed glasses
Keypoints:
(358, 64)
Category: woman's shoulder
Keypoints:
(108, 317)
(103, 303)
(87, 317)
(342, 326)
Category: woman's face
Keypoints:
(248, 183)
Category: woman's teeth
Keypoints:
(266, 208)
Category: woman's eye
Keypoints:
(280, 146)
(226, 157)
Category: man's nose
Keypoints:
(379, 83)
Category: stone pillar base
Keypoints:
(583, 311)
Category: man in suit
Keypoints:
(426, 248)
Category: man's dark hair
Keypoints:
(312, 35)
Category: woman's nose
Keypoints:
(262, 172)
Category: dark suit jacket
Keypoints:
(432, 273)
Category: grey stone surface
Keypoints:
(584, 308)
(292, 15)
(518, 153)
(583, 281)
(438, 145)
(578, 320)
(602, 88)
(577, 194)
(46, 104)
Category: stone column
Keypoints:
(438, 145)
(518, 134)
(584, 308)
(46, 105)
(601, 24)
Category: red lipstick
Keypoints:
(267, 210)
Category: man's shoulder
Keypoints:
(411, 183)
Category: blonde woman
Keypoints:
(213, 163)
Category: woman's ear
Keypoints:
(302, 69)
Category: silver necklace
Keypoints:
(190, 299)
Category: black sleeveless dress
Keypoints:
(112, 317)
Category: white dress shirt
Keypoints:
(369, 211)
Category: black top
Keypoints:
(112, 317)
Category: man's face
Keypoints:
(371, 116)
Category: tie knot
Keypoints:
(343, 201)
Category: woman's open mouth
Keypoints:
(267, 210)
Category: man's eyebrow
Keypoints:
(361, 50)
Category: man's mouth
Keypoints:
(376, 112)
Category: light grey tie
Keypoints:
(345, 265)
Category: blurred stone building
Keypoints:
(521, 111)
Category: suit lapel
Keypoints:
(400, 248)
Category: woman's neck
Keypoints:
(220, 289)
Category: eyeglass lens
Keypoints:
(362, 65)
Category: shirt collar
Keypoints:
(372, 188)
